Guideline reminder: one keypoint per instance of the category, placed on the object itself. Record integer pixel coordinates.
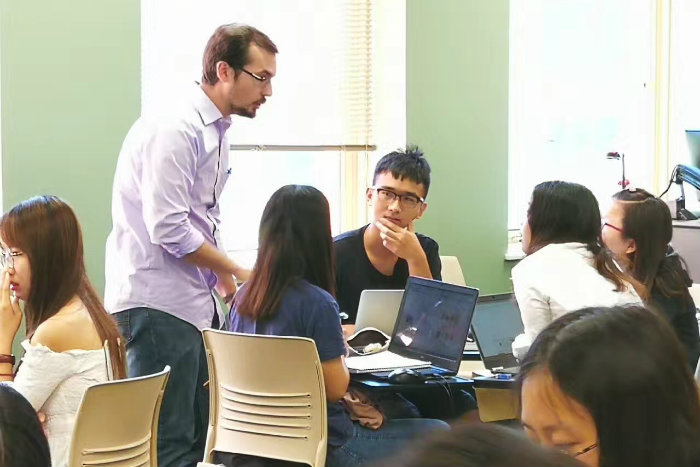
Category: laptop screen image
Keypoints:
(496, 323)
(433, 322)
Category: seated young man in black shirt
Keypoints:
(382, 254)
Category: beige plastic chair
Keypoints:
(267, 397)
(695, 294)
(452, 271)
(117, 423)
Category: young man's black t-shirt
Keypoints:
(355, 273)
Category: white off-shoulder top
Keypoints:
(54, 383)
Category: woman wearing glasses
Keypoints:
(42, 259)
(607, 386)
(638, 230)
(290, 293)
(567, 267)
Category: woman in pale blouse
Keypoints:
(42, 259)
(567, 267)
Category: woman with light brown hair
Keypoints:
(67, 326)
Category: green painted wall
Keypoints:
(457, 111)
(70, 89)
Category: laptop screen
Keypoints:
(496, 323)
(433, 322)
(378, 309)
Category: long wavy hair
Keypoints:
(47, 231)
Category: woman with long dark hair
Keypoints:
(67, 326)
(638, 229)
(290, 293)
(608, 386)
(567, 267)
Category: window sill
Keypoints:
(514, 252)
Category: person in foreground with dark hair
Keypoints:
(638, 229)
(609, 386)
(481, 445)
(67, 326)
(290, 293)
(22, 440)
(566, 267)
(382, 254)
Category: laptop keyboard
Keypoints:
(508, 371)
(432, 371)
(384, 360)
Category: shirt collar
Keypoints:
(208, 111)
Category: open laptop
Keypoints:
(496, 323)
(378, 309)
(430, 331)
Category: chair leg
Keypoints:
(209, 446)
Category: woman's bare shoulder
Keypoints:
(71, 332)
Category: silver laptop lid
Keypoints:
(378, 309)
(496, 323)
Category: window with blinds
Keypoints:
(319, 127)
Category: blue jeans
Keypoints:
(366, 446)
(155, 339)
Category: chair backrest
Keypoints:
(267, 397)
(695, 294)
(117, 423)
(452, 271)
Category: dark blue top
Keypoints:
(306, 311)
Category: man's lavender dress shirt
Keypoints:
(165, 205)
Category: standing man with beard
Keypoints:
(164, 256)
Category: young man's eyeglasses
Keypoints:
(407, 201)
(582, 451)
(7, 258)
